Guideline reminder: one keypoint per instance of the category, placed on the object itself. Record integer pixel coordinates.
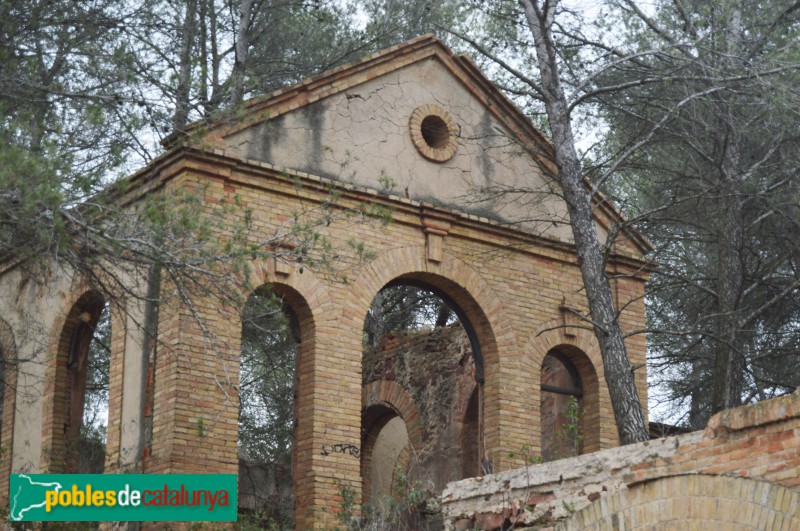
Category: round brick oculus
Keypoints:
(433, 132)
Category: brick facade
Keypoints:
(742, 472)
(513, 285)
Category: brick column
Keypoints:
(327, 472)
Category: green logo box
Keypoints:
(122, 497)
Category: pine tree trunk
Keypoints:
(729, 363)
(242, 45)
(628, 412)
(182, 93)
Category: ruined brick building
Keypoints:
(415, 130)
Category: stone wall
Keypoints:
(437, 370)
(744, 469)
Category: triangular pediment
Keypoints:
(415, 120)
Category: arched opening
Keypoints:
(270, 345)
(416, 337)
(385, 452)
(561, 400)
(470, 436)
(569, 404)
(79, 442)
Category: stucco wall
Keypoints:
(362, 136)
(33, 312)
(35, 309)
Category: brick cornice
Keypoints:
(218, 164)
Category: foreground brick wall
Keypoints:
(693, 502)
(744, 469)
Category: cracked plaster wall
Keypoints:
(362, 136)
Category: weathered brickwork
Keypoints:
(693, 502)
(514, 285)
(742, 472)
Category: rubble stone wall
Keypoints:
(437, 370)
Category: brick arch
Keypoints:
(486, 314)
(306, 285)
(84, 305)
(380, 399)
(311, 303)
(584, 352)
(391, 394)
(460, 281)
(693, 501)
(589, 403)
(8, 350)
(306, 294)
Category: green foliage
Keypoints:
(400, 510)
(270, 338)
(571, 431)
(567, 440)
(347, 512)
(200, 427)
(58, 141)
(257, 521)
(293, 41)
(716, 187)
(386, 181)
(382, 213)
(360, 249)
(391, 21)
(527, 454)
(31, 196)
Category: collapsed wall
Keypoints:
(437, 371)
(743, 470)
